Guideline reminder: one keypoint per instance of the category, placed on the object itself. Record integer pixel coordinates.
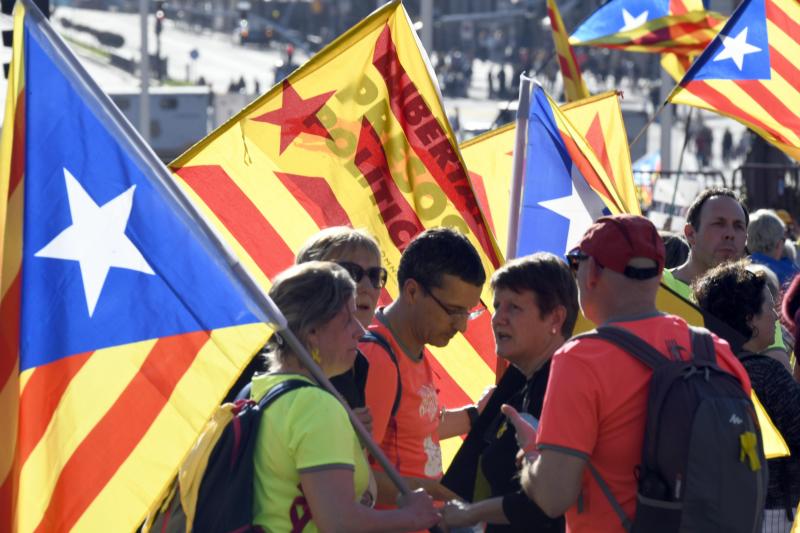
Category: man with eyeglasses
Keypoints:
(440, 278)
(596, 404)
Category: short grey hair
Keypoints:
(335, 242)
(765, 232)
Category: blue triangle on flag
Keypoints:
(612, 17)
(108, 256)
(740, 51)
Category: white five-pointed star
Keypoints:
(96, 239)
(736, 48)
(573, 209)
(632, 22)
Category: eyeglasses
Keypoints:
(574, 258)
(377, 275)
(457, 314)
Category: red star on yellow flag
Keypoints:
(297, 115)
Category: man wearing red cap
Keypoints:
(596, 403)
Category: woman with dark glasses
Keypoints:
(357, 252)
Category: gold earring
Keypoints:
(315, 355)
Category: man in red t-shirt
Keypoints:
(440, 277)
(595, 407)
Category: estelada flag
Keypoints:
(597, 119)
(574, 86)
(121, 328)
(654, 26)
(681, 34)
(356, 136)
(750, 73)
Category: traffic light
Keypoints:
(159, 16)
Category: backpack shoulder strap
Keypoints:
(702, 345)
(280, 389)
(376, 338)
(635, 346)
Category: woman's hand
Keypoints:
(457, 514)
(419, 504)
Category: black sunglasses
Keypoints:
(574, 258)
(377, 275)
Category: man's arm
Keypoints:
(454, 422)
(459, 421)
(553, 480)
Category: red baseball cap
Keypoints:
(614, 240)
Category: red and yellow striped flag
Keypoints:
(750, 72)
(574, 86)
(357, 136)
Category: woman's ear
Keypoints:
(311, 340)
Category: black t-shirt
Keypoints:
(498, 463)
(352, 383)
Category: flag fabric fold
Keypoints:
(356, 136)
(749, 72)
(122, 328)
(574, 86)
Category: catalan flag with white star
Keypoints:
(750, 72)
(653, 26)
(121, 329)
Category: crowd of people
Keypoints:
(562, 442)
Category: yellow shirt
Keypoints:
(303, 431)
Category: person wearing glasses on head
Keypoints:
(440, 277)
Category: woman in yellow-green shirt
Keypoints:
(311, 474)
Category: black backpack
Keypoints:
(703, 467)
(223, 487)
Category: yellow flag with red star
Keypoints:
(357, 136)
